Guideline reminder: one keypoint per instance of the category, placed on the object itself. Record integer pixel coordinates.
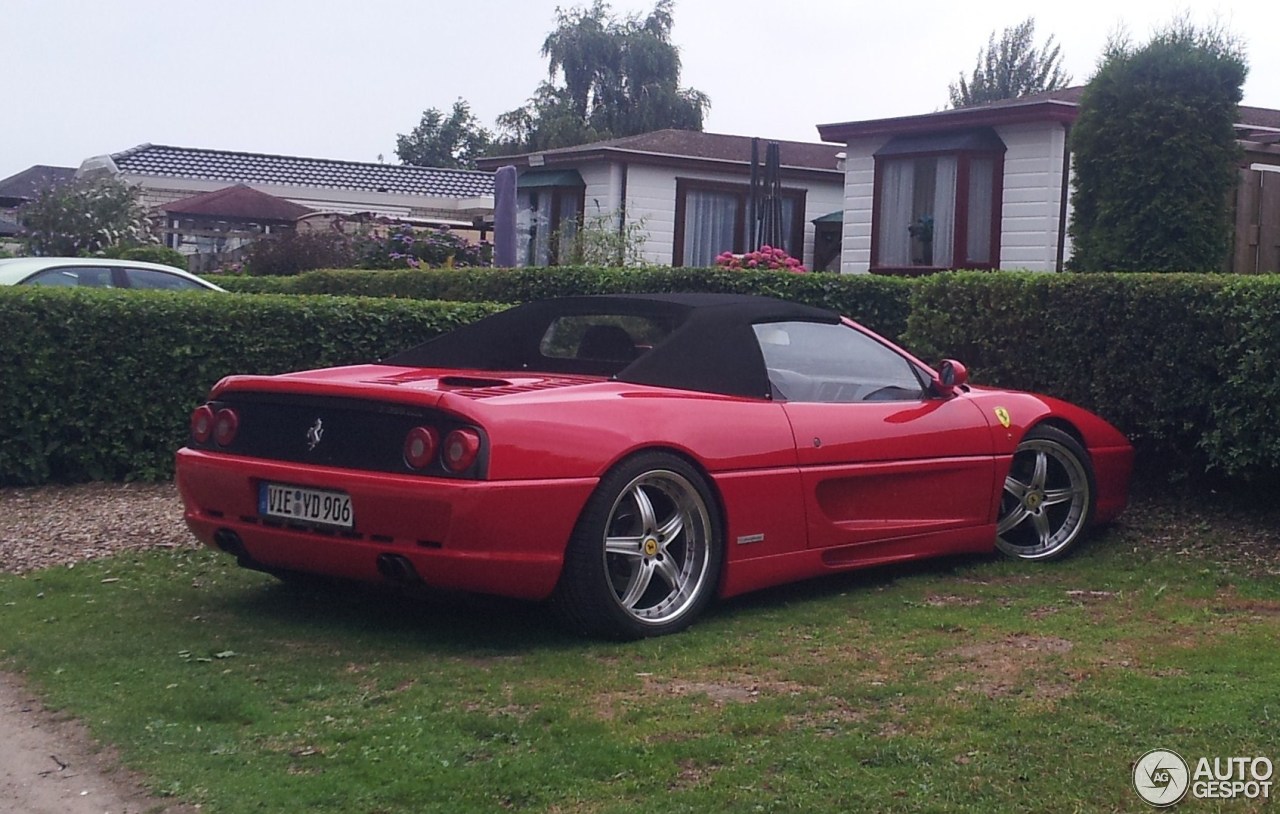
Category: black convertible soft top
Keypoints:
(711, 346)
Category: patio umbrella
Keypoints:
(504, 217)
(753, 199)
(767, 226)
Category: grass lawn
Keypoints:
(962, 685)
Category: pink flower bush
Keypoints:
(766, 257)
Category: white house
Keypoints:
(988, 187)
(978, 187)
(688, 192)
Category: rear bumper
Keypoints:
(499, 537)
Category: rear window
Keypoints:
(154, 279)
(602, 337)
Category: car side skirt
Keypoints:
(764, 572)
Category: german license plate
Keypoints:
(298, 503)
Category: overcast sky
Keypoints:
(339, 80)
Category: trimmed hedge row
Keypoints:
(98, 385)
(1185, 364)
(881, 303)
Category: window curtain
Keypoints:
(982, 173)
(898, 179)
(944, 212)
(567, 230)
(709, 221)
(533, 219)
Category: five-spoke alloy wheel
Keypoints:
(645, 557)
(1048, 496)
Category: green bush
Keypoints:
(1243, 436)
(395, 247)
(82, 217)
(152, 253)
(292, 252)
(881, 303)
(406, 247)
(98, 384)
(1182, 363)
(1155, 154)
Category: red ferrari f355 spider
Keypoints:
(633, 457)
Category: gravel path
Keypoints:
(62, 525)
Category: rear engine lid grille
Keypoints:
(338, 432)
(501, 387)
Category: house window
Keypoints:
(549, 209)
(937, 202)
(712, 218)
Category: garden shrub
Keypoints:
(406, 247)
(292, 252)
(153, 253)
(99, 384)
(1179, 362)
(1243, 435)
(1155, 154)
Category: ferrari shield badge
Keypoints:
(1002, 415)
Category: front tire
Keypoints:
(1049, 496)
(644, 559)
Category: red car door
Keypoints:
(880, 457)
(878, 471)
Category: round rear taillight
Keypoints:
(202, 424)
(420, 447)
(225, 425)
(460, 449)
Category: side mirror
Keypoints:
(952, 376)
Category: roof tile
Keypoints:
(256, 168)
(26, 185)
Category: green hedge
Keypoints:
(881, 303)
(1184, 364)
(98, 385)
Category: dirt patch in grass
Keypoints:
(1238, 529)
(951, 601)
(721, 693)
(1229, 602)
(1013, 666)
(691, 774)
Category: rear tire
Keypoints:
(644, 559)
